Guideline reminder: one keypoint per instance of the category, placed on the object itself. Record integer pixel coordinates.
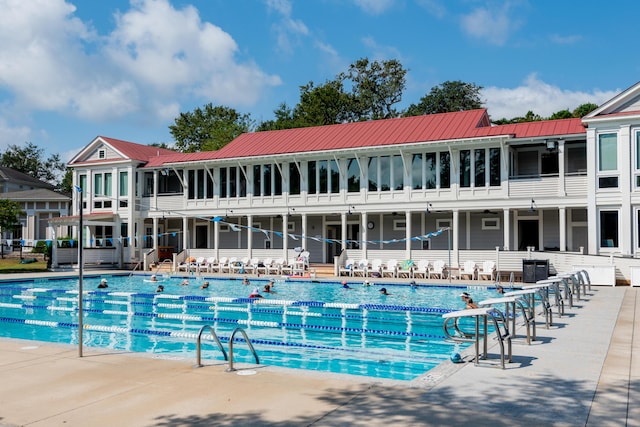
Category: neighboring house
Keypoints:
(39, 204)
(380, 186)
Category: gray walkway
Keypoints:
(582, 371)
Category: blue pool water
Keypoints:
(313, 325)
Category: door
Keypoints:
(334, 247)
(528, 233)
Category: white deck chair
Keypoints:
(197, 265)
(240, 266)
(390, 268)
(275, 267)
(421, 269)
(375, 269)
(360, 269)
(488, 270)
(469, 269)
(220, 265)
(405, 269)
(263, 268)
(287, 267)
(437, 269)
(347, 269)
(227, 267)
(210, 264)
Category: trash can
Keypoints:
(534, 270)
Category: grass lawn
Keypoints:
(12, 265)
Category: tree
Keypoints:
(448, 97)
(562, 114)
(584, 109)
(66, 185)
(30, 160)
(9, 216)
(327, 104)
(284, 119)
(208, 128)
(376, 87)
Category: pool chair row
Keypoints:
(424, 269)
(246, 265)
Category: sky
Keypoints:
(71, 70)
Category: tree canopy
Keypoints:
(447, 97)
(208, 128)
(30, 159)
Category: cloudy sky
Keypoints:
(72, 70)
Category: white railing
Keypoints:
(170, 202)
(534, 187)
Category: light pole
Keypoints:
(80, 262)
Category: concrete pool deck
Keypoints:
(584, 370)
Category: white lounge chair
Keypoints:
(360, 269)
(375, 269)
(347, 269)
(390, 268)
(210, 264)
(263, 268)
(469, 269)
(421, 269)
(437, 269)
(488, 270)
(405, 269)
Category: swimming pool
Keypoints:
(312, 325)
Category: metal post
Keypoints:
(80, 262)
(449, 250)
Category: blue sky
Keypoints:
(74, 69)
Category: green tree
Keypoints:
(30, 159)
(208, 128)
(284, 119)
(326, 104)
(562, 114)
(448, 97)
(66, 184)
(584, 109)
(376, 87)
(9, 216)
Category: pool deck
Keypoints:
(584, 370)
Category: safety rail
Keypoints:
(138, 264)
(247, 340)
(164, 262)
(198, 344)
(512, 304)
(481, 315)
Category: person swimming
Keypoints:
(185, 282)
(154, 278)
(205, 285)
(255, 294)
(468, 300)
(103, 284)
(345, 285)
(160, 288)
(246, 281)
(383, 291)
(268, 288)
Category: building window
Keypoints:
(465, 168)
(445, 176)
(97, 184)
(416, 171)
(311, 177)
(83, 185)
(576, 155)
(191, 183)
(431, 171)
(277, 181)
(607, 152)
(372, 174)
(124, 184)
(491, 223)
(200, 183)
(323, 177)
(398, 173)
(257, 179)
(294, 179)
(101, 154)
(495, 176)
(479, 168)
(609, 229)
(353, 176)
(443, 223)
(266, 180)
(399, 224)
(334, 177)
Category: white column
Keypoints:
(285, 236)
(455, 235)
(625, 221)
(303, 218)
(467, 229)
(343, 237)
(185, 233)
(592, 178)
(407, 234)
(249, 236)
(506, 229)
(155, 235)
(562, 213)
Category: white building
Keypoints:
(377, 188)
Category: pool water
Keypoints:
(312, 325)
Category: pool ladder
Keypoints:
(219, 344)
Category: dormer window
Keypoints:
(101, 154)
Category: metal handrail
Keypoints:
(165, 261)
(247, 340)
(215, 338)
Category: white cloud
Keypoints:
(537, 96)
(374, 7)
(434, 7)
(288, 30)
(381, 52)
(156, 57)
(12, 135)
(570, 39)
(494, 25)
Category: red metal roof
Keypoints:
(136, 151)
(376, 133)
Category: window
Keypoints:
(353, 175)
(399, 224)
(609, 229)
(323, 177)
(223, 182)
(108, 184)
(124, 233)
(101, 154)
(495, 177)
(311, 174)
(445, 176)
(83, 185)
(257, 179)
(191, 183)
(607, 152)
(335, 177)
(479, 168)
(124, 184)
(372, 174)
(416, 171)
(385, 173)
(465, 168)
(97, 184)
(576, 155)
(431, 171)
(294, 179)
(491, 223)
(200, 183)
(102, 184)
(398, 173)
(443, 223)
(148, 184)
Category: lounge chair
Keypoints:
(347, 269)
(263, 267)
(438, 269)
(390, 268)
(360, 269)
(210, 264)
(421, 269)
(375, 269)
(405, 269)
(487, 271)
(275, 267)
(469, 269)
(197, 265)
